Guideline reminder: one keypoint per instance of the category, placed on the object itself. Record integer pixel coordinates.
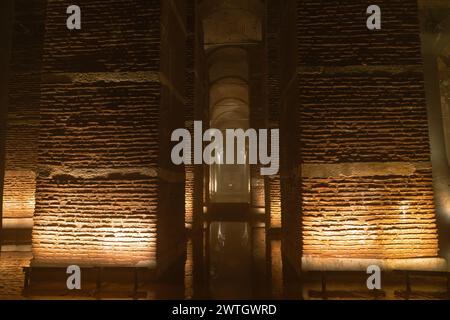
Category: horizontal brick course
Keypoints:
(105, 221)
(97, 192)
(361, 100)
(78, 122)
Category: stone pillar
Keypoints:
(198, 112)
(190, 106)
(258, 117)
(195, 104)
(290, 146)
(171, 195)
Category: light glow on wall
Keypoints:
(122, 241)
(374, 217)
(19, 194)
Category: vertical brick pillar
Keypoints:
(23, 116)
(6, 15)
(366, 171)
(199, 112)
(196, 96)
(112, 92)
(273, 192)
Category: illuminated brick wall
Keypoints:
(108, 94)
(97, 187)
(356, 173)
(364, 146)
(370, 215)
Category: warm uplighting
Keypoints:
(112, 242)
(275, 203)
(404, 208)
(19, 194)
(189, 197)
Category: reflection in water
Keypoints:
(230, 260)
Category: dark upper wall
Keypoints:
(6, 18)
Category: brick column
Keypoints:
(366, 171)
(112, 92)
(6, 23)
(272, 188)
(190, 107)
(23, 121)
(435, 51)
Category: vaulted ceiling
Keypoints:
(229, 27)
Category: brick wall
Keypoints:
(108, 93)
(361, 105)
